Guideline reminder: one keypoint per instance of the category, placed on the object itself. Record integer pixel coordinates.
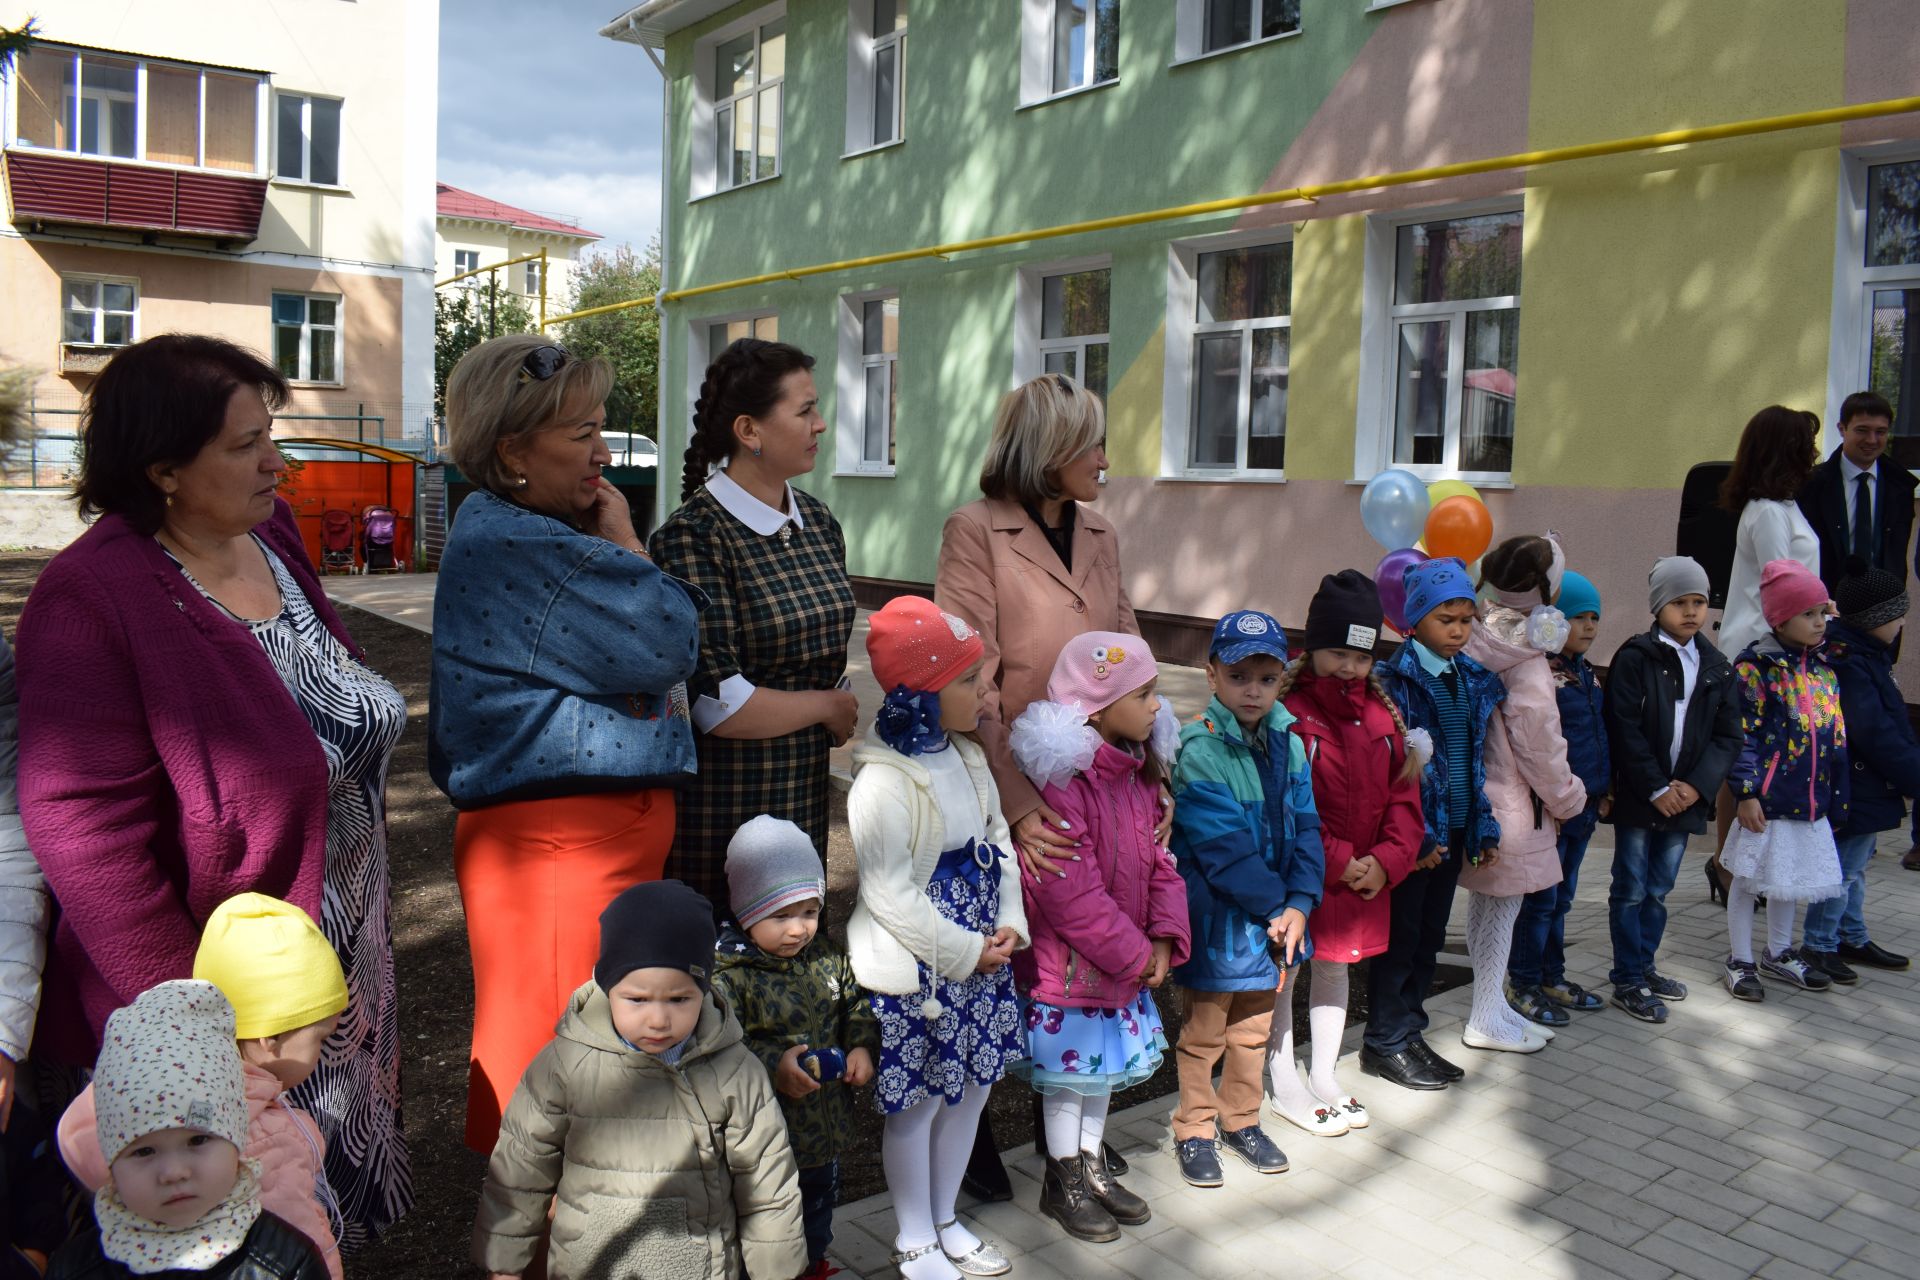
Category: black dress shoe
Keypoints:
(1873, 955)
(1830, 963)
(1402, 1068)
(1434, 1062)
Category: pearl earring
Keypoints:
(520, 482)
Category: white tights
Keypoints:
(924, 1152)
(1489, 943)
(1074, 1122)
(1327, 1019)
(1740, 904)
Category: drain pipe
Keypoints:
(663, 473)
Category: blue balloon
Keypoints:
(1393, 506)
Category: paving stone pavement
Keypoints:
(1774, 1139)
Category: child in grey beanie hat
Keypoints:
(1673, 577)
(771, 863)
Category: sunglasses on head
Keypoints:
(543, 362)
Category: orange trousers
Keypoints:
(534, 876)
(1230, 1024)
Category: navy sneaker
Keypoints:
(1640, 1002)
(1254, 1146)
(1199, 1162)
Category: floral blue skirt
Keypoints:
(1093, 1051)
(977, 1034)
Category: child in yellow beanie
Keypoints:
(284, 981)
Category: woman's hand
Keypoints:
(1163, 830)
(1751, 816)
(841, 715)
(790, 1078)
(611, 518)
(1042, 836)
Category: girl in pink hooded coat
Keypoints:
(1108, 927)
(1529, 785)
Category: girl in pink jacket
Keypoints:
(1107, 928)
(284, 981)
(1530, 787)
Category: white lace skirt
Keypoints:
(1795, 861)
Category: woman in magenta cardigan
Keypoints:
(195, 722)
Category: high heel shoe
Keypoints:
(1717, 881)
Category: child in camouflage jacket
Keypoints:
(803, 1014)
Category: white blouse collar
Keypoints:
(749, 510)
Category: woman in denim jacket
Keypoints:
(558, 722)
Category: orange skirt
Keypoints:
(534, 876)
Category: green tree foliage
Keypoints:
(629, 340)
(14, 41)
(463, 318)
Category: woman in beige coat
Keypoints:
(1031, 567)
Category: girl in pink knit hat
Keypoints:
(1107, 929)
(1789, 782)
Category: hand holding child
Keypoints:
(790, 1078)
(859, 1067)
(1751, 816)
(1286, 930)
(1155, 974)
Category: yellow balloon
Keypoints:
(1440, 490)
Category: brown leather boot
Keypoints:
(1066, 1197)
(1128, 1209)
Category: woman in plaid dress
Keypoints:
(773, 642)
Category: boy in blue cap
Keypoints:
(1537, 985)
(1448, 696)
(1246, 837)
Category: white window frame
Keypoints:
(850, 386)
(465, 260)
(699, 339)
(535, 278)
(1179, 391)
(703, 117)
(863, 61)
(1039, 23)
(1190, 31)
(307, 330)
(1380, 321)
(1850, 348)
(304, 178)
(99, 311)
(262, 106)
(1030, 350)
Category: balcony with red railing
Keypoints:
(89, 191)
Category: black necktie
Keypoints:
(1863, 519)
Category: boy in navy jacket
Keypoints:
(1885, 758)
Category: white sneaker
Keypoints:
(1475, 1039)
(1324, 1121)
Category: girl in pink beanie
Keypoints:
(1789, 782)
(1107, 929)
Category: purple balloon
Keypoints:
(1391, 578)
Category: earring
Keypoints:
(756, 453)
(169, 499)
(520, 481)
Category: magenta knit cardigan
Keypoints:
(164, 768)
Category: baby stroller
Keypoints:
(336, 542)
(379, 526)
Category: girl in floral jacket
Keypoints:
(1109, 927)
(1789, 782)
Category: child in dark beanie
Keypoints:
(1885, 758)
(645, 1098)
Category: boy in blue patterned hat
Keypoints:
(1448, 696)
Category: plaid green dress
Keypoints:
(781, 614)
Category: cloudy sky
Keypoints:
(539, 111)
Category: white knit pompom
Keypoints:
(931, 1009)
(1164, 741)
(1419, 747)
(1547, 629)
(1052, 741)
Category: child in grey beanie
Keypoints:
(1673, 577)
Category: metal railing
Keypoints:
(49, 459)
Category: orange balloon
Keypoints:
(1461, 527)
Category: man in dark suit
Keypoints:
(1860, 501)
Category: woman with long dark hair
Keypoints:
(766, 700)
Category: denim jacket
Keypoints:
(559, 662)
(1407, 684)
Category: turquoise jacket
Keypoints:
(1246, 837)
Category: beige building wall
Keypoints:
(496, 243)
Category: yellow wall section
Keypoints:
(1329, 260)
(1666, 297)
(1133, 411)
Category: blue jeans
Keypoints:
(819, 1189)
(1832, 921)
(1540, 934)
(1645, 865)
